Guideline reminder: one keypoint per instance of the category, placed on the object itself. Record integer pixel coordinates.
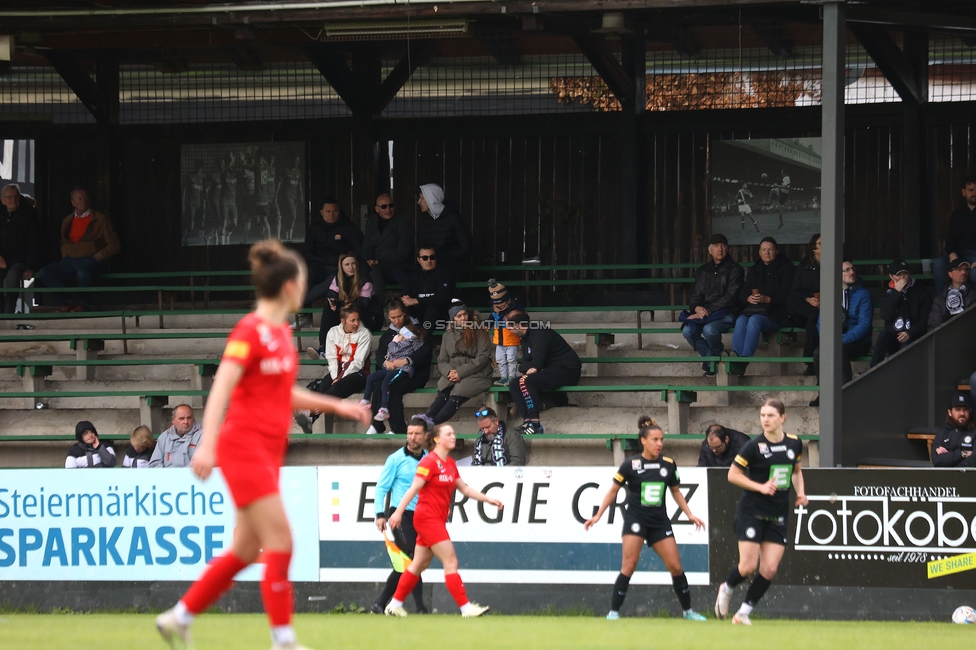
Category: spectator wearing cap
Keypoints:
(89, 451)
(960, 240)
(464, 364)
(957, 296)
(953, 444)
(496, 445)
(720, 446)
(175, 446)
(713, 302)
(506, 343)
(905, 310)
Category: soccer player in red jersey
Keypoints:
(436, 478)
(255, 385)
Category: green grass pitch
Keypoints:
(322, 631)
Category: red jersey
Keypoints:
(436, 494)
(260, 405)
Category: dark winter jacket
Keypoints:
(774, 280)
(940, 312)
(448, 234)
(82, 456)
(434, 287)
(907, 310)
(20, 237)
(955, 442)
(394, 245)
(806, 282)
(546, 348)
(420, 360)
(717, 286)
(707, 458)
(136, 459)
(324, 242)
(961, 233)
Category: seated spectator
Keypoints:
(960, 238)
(548, 363)
(959, 294)
(89, 451)
(419, 362)
(905, 310)
(504, 303)
(763, 301)
(804, 301)
(429, 291)
(347, 348)
(713, 302)
(325, 240)
(464, 363)
(720, 446)
(20, 244)
(396, 365)
(388, 245)
(440, 226)
(141, 445)
(953, 444)
(348, 288)
(856, 326)
(497, 445)
(175, 446)
(88, 240)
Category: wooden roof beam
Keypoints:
(777, 39)
(80, 82)
(891, 60)
(606, 65)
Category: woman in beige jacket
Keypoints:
(464, 364)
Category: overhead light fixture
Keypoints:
(394, 29)
(613, 25)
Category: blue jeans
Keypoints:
(745, 338)
(707, 340)
(940, 269)
(80, 270)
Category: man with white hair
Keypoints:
(20, 243)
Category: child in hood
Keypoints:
(506, 343)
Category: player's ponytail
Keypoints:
(272, 265)
(776, 404)
(646, 426)
(644, 421)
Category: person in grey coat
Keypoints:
(175, 446)
(464, 364)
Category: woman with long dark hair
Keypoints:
(464, 363)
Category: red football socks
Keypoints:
(217, 579)
(276, 591)
(454, 585)
(407, 582)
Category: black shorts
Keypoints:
(652, 534)
(749, 528)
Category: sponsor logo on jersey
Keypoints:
(445, 478)
(763, 448)
(652, 494)
(237, 350)
(664, 471)
(780, 475)
(276, 365)
(423, 471)
(636, 465)
(778, 448)
(790, 454)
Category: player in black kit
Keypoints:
(764, 468)
(647, 477)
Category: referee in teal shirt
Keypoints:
(395, 479)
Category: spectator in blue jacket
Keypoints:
(858, 313)
(394, 481)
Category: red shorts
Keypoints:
(430, 531)
(250, 474)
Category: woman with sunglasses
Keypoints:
(437, 477)
(647, 478)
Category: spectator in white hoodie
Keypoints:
(347, 347)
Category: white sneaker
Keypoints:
(399, 612)
(475, 610)
(173, 633)
(722, 601)
(312, 353)
(381, 415)
(371, 431)
(741, 619)
(364, 402)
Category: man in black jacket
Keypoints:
(713, 301)
(953, 445)
(20, 243)
(326, 239)
(548, 363)
(440, 225)
(397, 313)
(720, 446)
(388, 246)
(427, 293)
(905, 311)
(960, 238)
(959, 294)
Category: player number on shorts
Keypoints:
(652, 494)
(781, 475)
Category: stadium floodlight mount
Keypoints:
(395, 29)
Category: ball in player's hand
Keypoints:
(764, 176)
